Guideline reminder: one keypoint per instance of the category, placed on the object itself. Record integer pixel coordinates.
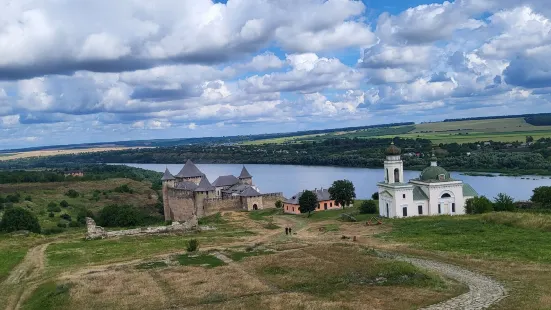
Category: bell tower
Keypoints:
(394, 166)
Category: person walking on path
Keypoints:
(286, 230)
(290, 231)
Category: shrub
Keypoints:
(192, 245)
(16, 198)
(72, 193)
(51, 214)
(28, 198)
(19, 219)
(64, 204)
(53, 207)
(542, 196)
(65, 216)
(53, 230)
(375, 196)
(62, 225)
(123, 189)
(74, 224)
(83, 214)
(478, 205)
(122, 216)
(368, 207)
(504, 202)
(279, 204)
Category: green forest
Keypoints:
(510, 158)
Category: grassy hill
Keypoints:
(92, 196)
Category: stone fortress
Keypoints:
(189, 196)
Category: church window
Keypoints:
(405, 211)
(420, 208)
(387, 176)
(404, 196)
(439, 209)
(453, 207)
(445, 195)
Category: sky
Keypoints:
(101, 70)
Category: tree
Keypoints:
(375, 196)
(308, 202)
(478, 205)
(529, 139)
(72, 193)
(279, 204)
(504, 202)
(542, 195)
(343, 192)
(64, 204)
(53, 207)
(368, 207)
(15, 219)
(121, 216)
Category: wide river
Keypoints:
(291, 179)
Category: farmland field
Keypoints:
(502, 130)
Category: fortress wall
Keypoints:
(269, 200)
(215, 205)
(181, 205)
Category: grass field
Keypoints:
(503, 130)
(59, 152)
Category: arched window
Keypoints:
(397, 175)
(387, 179)
(445, 195)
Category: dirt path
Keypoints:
(483, 291)
(24, 276)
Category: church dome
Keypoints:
(393, 150)
(433, 173)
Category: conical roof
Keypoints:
(204, 185)
(250, 192)
(393, 150)
(245, 174)
(189, 171)
(167, 176)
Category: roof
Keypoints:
(204, 185)
(245, 174)
(321, 194)
(393, 150)
(419, 194)
(468, 191)
(189, 171)
(225, 180)
(433, 173)
(249, 192)
(167, 176)
(237, 188)
(190, 186)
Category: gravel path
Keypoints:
(483, 291)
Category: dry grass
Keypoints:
(45, 153)
(521, 220)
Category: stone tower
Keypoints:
(168, 181)
(394, 166)
(245, 177)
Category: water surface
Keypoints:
(291, 179)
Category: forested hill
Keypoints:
(541, 119)
(369, 153)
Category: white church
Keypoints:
(433, 193)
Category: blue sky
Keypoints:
(94, 71)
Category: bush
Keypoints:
(16, 198)
(74, 224)
(64, 204)
(28, 198)
(192, 245)
(15, 219)
(279, 204)
(72, 193)
(123, 216)
(368, 207)
(123, 189)
(478, 205)
(53, 207)
(375, 196)
(542, 196)
(83, 214)
(51, 214)
(504, 202)
(66, 217)
(62, 225)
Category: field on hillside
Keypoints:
(43, 153)
(247, 264)
(90, 195)
(503, 130)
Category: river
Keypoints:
(290, 179)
